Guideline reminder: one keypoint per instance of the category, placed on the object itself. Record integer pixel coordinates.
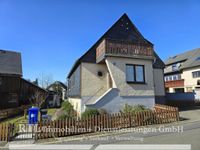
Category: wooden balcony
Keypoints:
(117, 48)
(175, 83)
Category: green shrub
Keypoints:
(133, 109)
(90, 112)
(102, 111)
(67, 106)
(67, 111)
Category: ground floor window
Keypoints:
(135, 73)
(179, 90)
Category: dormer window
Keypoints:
(175, 67)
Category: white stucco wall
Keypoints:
(113, 102)
(93, 86)
(117, 66)
(159, 82)
(76, 102)
(189, 81)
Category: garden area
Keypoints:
(98, 120)
(67, 123)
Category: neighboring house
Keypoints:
(53, 100)
(182, 72)
(57, 93)
(14, 90)
(120, 68)
(59, 88)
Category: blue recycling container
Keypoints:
(33, 115)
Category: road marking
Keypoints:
(100, 147)
(48, 147)
(144, 147)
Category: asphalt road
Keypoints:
(188, 134)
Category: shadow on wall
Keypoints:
(113, 94)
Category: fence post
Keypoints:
(36, 132)
(129, 117)
(177, 114)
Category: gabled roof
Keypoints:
(123, 29)
(10, 63)
(37, 86)
(57, 83)
(189, 59)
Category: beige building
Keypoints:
(120, 68)
(182, 72)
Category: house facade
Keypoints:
(120, 68)
(182, 72)
(60, 88)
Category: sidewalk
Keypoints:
(190, 115)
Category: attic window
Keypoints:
(175, 67)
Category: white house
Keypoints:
(182, 72)
(120, 68)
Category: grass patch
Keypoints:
(51, 111)
(16, 120)
(21, 119)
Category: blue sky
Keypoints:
(52, 34)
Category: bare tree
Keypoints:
(39, 98)
(45, 80)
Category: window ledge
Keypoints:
(130, 82)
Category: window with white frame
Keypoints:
(173, 77)
(196, 74)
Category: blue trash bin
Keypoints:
(33, 115)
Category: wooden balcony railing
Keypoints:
(110, 47)
(175, 83)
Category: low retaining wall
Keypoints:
(180, 96)
(182, 99)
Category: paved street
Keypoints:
(192, 114)
(190, 135)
